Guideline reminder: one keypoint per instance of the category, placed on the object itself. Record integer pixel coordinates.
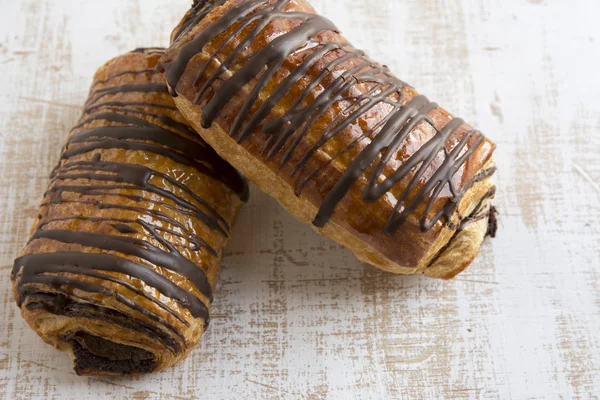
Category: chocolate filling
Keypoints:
(492, 223)
(95, 354)
(476, 215)
(62, 305)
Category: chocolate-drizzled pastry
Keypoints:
(124, 254)
(334, 136)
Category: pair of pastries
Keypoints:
(124, 255)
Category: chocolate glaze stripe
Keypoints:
(176, 126)
(200, 8)
(118, 104)
(149, 50)
(151, 71)
(185, 151)
(196, 241)
(139, 177)
(312, 113)
(173, 261)
(57, 282)
(290, 128)
(139, 293)
(274, 55)
(196, 45)
(85, 190)
(145, 88)
(125, 226)
(29, 266)
(127, 145)
(180, 149)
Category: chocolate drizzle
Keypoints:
(53, 281)
(199, 10)
(492, 223)
(347, 72)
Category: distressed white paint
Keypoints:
(295, 315)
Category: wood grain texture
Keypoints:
(296, 316)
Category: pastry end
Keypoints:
(93, 355)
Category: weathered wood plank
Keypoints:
(295, 315)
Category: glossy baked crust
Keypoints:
(125, 250)
(206, 60)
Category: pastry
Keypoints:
(124, 254)
(334, 136)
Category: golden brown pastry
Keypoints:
(334, 136)
(124, 255)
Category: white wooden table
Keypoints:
(295, 315)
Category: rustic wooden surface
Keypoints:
(295, 315)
